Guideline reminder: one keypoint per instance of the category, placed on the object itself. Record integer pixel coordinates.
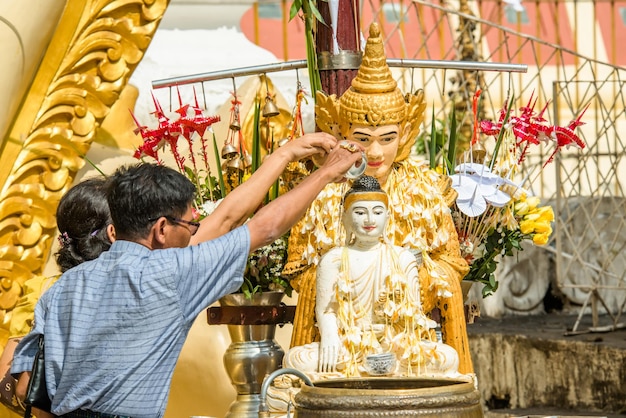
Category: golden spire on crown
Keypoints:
(373, 99)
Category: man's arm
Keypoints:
(278, 216)
(241, 202)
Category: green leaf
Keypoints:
(316, 12)
(256, 137)
(220, 174)
(295, 6)
(451, 159)
(433, 142)
(501, 134)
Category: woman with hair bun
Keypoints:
(85, 231)
(84, 223)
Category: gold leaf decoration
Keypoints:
(95, 49)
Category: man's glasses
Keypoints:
(193, 226)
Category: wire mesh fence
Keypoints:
(571, 67)
(575, 65)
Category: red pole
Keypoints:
(338, 68)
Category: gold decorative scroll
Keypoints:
(89, 60)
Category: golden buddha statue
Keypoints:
(374, 113)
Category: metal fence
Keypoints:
(574, 62)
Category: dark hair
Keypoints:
(365, 183)
(141, 193)
(82, 218)
(364, 188)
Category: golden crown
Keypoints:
(373, 99)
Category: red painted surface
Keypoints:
(547, 21)
(421, 37)
(428, 36)
(612, 26)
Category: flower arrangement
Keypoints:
(192, 143)
(264, 268)
(493, 214)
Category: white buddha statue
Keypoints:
(368, 302)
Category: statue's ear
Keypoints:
(406, 139)
(405, 130)
(416, 107)
(327, 114)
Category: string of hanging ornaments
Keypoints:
(239, 156)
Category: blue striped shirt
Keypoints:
(114, 327)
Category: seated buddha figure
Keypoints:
(374, 113)
(368, 303)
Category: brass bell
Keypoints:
(283, 141)
(477, 154)
(270, 109)
(247, 160)
(235, 126)
(229, 151)
(235, 164)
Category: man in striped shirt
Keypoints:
(114, 327)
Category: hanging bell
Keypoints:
(270, 109)
(235, 164)
(229, 151)
(235, 126)
(283, 141)
(247, 160)
(476, 154)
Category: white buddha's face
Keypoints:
(367, 219)
(381, 147)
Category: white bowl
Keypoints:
(380, 364)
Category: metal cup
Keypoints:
(356, 171)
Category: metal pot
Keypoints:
(389, 397)
(252, 354)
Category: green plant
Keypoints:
(309, 15)
(492, 214)
(264, 266)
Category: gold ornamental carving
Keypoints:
(89, 60)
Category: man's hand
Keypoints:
(318, 144)
(344, 155)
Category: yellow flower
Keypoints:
(521, 207)
(527, 226)
(546, 213)
(533, 202)
(542, 227)
(541, 239)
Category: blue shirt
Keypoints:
(114, 327)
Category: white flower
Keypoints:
(209, 206)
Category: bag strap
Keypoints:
(27, 413)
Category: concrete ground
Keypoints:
(554, 326)
(534, 366)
